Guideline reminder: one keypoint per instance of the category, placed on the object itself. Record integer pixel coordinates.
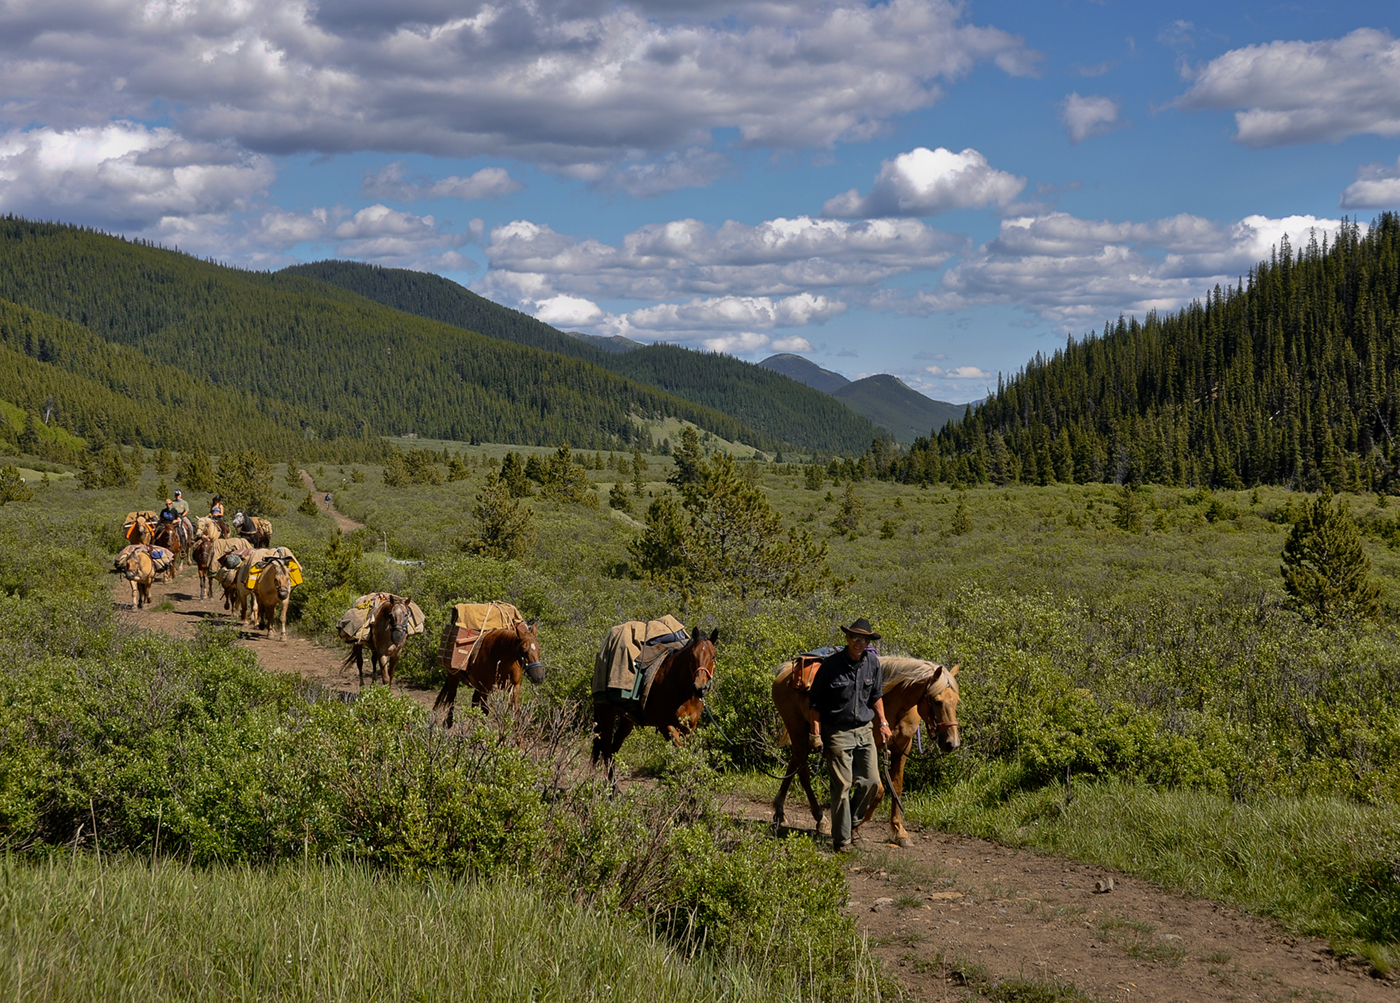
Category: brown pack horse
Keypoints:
(387, 636)
(915, 691)
(202, 556)
(497, 662)
(674, 703)
(170, 535)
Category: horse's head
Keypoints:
(399, 618)
(276, 570)
(140, 568)
(528, 636)
(203, 552)
(939, 707)
(702, 650)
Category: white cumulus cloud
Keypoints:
(569, 311)
(926, 182)
(1077, 273)
(392, 183)
(125, 174)
(1092, 115)
(575, 85)
(776, 258)
(1376, 187)
(1305, 92)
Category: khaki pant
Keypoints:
(850, 756)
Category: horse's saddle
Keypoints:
(805, 666)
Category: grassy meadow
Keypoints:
(1147, 700)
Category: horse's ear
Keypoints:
(714, 636)
(954, 670)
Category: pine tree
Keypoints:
(12, 485)
(197, 472)
(503, 528)
(1325, 570)
(309, 507)
(513, 475)
(1129, 515)
(618, 497)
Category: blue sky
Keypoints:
(924, 188)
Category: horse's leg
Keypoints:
(798, 750)
(804, 777)
(285, 603)
(899, 753)
(603, 721)
(624, 728)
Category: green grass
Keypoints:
(1216, 742)
(79, 929)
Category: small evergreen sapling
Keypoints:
(1324, 567)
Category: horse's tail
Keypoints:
(448, 696)
(350, 658)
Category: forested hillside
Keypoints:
(756, 396)
(891, 403)
(1289, 378)
(113, 393)
(780, 408)
(342, 365)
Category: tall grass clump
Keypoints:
(80, 928)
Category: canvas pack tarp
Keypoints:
(251, 570)
(469, 621)
(161, 559)
(355, 622)
(620, 672)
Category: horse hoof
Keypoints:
(824, 828)
(904, 841)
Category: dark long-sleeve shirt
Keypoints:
(844, 693)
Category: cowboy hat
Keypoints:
(861, 628)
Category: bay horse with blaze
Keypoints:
(498, 660)
(673, 705)
(916, 691)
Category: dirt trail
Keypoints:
(1021, 915)
(346, 524)
(177, 610)
(1016, 913)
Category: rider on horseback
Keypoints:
(179, 506)
(216, 512)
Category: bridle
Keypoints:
(702, 689)
(525, 651)
(948, 682)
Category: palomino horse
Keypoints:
(497, 661)
(273, 588)
(387, 634)
(673, 704)
(140, 571)
(915, 691)
(208, 526)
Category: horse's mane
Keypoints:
(903, 670)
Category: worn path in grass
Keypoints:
(950, 903)
(176, 609)
(346, 524)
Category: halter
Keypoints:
(947, 683)
(700, 690)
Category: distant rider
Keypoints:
(179, 506)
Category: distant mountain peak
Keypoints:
(805, 371)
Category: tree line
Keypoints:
(1291, 377)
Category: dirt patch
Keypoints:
(951, 902)
(176, 609)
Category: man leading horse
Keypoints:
(847, 694)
